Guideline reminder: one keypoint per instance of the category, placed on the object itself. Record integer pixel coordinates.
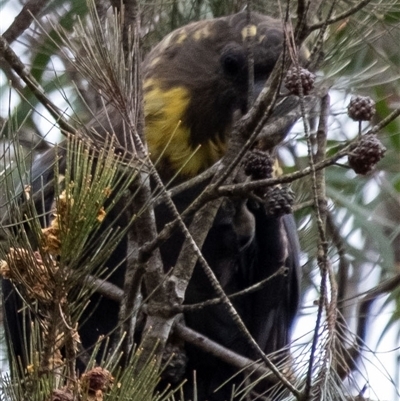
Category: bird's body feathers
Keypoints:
(195, 87)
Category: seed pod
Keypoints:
(299, 76)
(96, 379)
(279, 200)
(365, 156)
(258, 164)
(361, 108)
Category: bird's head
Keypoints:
(196, 84)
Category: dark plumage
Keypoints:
(199, 75)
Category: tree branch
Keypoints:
(360, 5)
(29, 12)
(19, 67)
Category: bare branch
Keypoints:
(20, 68)
(359, 6)
(29, 12)
(318, 188)
(221, 352)
(249, 290)
(105, 288)
(343, 272)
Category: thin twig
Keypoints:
(318, 188)
(194, 182)
(29, 12)
(20, 68)
(241, 189)
(359, 6)
(317, 50)
(383, 123)
(303, 205)
(216, 301)
(225, 354)
(246, 187)
(343, 271)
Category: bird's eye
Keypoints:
(233, 60)
(231, 64)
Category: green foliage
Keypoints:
(129, 384)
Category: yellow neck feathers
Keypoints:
(167, 135)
